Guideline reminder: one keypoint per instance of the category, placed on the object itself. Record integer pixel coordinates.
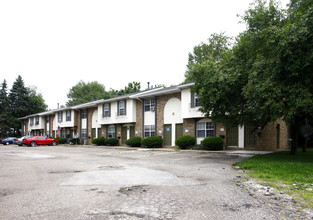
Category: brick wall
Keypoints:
(267, 138)
(220, 130)
(89, 123)
(138, 125)
(119, 133)
(103, 130)
(190, 125)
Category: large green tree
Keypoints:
(84, 92)
(20, 104)
(4, 111)
(267, 74)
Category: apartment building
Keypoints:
(167, 112)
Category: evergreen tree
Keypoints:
(20, 104)
(4, 111)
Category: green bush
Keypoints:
(98, 141)
(185, 142)
(111, 141)
(152, 142)
(61, 140)
(134, 142)
(74, 140)
(213, 143)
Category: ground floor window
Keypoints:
(111, 131)
(63, 133)
(205, 129)
(149, 130)
(84, 133)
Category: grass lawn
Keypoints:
(291, 173)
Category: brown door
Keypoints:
(167, 135)
(232, 136)
(250, 136)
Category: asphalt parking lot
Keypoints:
(122, 183)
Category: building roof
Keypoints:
(136, 95)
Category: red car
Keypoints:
(40, 140)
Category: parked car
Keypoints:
(8, 140)
(19, 141)
(40, 140)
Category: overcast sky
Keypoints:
(55, 44)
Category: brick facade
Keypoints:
(189, 127)
(273, 136)
(138, 125)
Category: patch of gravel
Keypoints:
(287, 206)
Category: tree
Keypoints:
(37, 100)
(4, 111)
(217, 45)
(20, 104)
(130, 88)
(267, 74)
(85, 92)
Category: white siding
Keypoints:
(187, 111)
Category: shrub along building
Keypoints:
(167, 112)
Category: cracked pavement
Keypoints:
(123, 183)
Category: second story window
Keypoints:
(149, 104)
(121, 108)
(195, 101)
(31, 121)
(68, 115)
(106, 110)
(84, 113)
(48, 119)
(60, 116)
(37, 120)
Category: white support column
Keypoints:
(241, 136)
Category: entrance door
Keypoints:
(93, 133)
(250, 136)
(178, 130)
(232, 136)
(124, 134)
(167, 135)
(132, 131)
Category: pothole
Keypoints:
(116, 215)
(4, 192)
(133, 189)
(64, 171)
(111, 168)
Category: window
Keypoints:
(121, 108)
(68, 115)
(84, 133)
(60, 116)
(106, 110)
(205, 129)
(196, 100)
(48, 119)
(111, 131)
(149, 104)
(63, 133)
(84, 113)
(31, 121)
(37, 120)
(149, 130)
